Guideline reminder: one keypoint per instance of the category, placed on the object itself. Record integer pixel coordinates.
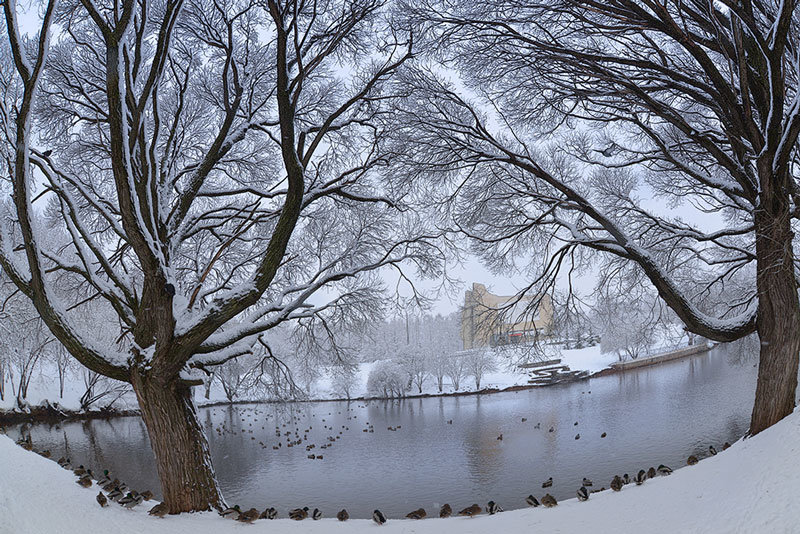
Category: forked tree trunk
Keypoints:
(778, 321)
(179, 444)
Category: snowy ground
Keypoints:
(750, 488)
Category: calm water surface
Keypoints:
(653, 415)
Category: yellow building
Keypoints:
(490, 320)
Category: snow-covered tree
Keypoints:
(388, 379)
(478, 362)
(214, 164)
(570, 116)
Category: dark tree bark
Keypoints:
(179, 445)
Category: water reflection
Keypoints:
(651, 416)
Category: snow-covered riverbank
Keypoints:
(749, 488)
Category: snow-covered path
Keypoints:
(750, 488)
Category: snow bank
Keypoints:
(751, 487)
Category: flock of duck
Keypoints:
(116, 491)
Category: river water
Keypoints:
(651, 416)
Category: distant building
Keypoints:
(488, 320)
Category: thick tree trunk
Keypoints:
(778, 321)
(180, 446)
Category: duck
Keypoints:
(583, 494)
(626, 479)
(248, 516)
(711, 450)
(641, 476)
(342, 515)
(552, 429)
(493, 508)
(577, 436)
(549, 501)
(664, 470)
(692, 460)
(85, 481)
(116, 494)
(79, 471)
(616, 483)
(231, 513)
(62, 461)
(445, 511)
(378, 517)
(726, 446)
(159, 510)
(110, 485)
(537, 426)
(603, 435)
(316, 515)
(131, 499)
(101, 500)
(586, 482)
(471, 511)
(298, 514)
(420, 513)
(532, 501)
(105, 479)
(500, 437)
(547, 483)
(651, 473)
(269, 513)
(147, 495)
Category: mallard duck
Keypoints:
(316, 515)
(641, 476)
(85, 481)
(547, 483)
(471, 511)
(603, 435)
(726, 446)
(147, 495)
(105, 479)
(159, 510)
(616, 483)
(651, 473)
(248, 516)
(445, 511)
(711, 450)
(586, 482)
(664, 470)
(101, 500)
(500, 437)
(626, 479)
(493, 508)
(378, 517)
(342, 515)
(417, 514)
(45, 453)
(531, 500)
(62, 461)
(577, 436)
(131, 499)
(116, 494)
(583, 494)
(269, 513)
(549, 501)
(79, 471)
(298, 514)
(231, 513)
(692, 460)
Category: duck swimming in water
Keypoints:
(587, 482)
(547, 483)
